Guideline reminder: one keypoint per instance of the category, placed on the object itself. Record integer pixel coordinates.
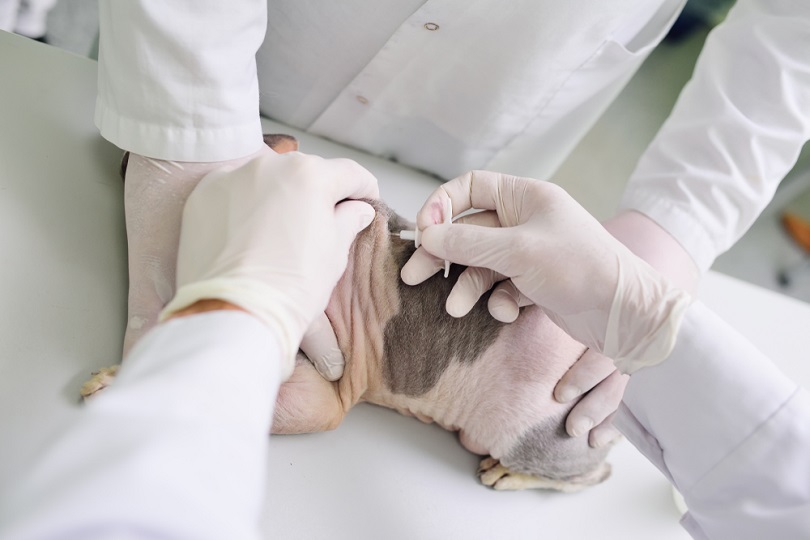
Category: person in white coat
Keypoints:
(177, 447)
(721, 421)
(28, 18)
(446, 87)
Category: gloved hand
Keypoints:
(273, 238)
(154, 194)
(594, 377)
(559, 257)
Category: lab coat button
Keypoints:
(431, 26)
(362, 100)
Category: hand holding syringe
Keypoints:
(415, 234)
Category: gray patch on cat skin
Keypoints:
(547, 450)
(422, 339)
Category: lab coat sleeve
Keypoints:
(177, 80)
(176, 447)
(728, 429)
(735, 132)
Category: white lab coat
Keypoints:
(177, 447)
(728, 429)
(452, 85)
(444, 100)
(735, 132)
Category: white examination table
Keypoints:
(63, 282)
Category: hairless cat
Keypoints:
(492, 382)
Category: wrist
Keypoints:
(653, 244)
(267, 303)
(204, 306)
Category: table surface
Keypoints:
(379, 475)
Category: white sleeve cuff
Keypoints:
(175, 142)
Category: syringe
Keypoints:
(414, 235)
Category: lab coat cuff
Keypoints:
(178, 143)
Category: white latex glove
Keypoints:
(154, 194)
(594, 377)
(559, 257)
(273, 238)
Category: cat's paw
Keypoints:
(493, 474)
(99, 381)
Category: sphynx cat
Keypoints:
(492, 382)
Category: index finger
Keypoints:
(352, 181)
(474, 189)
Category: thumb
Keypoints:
(321, 347)
(351, 217)
(506, 300)
(470, 245)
